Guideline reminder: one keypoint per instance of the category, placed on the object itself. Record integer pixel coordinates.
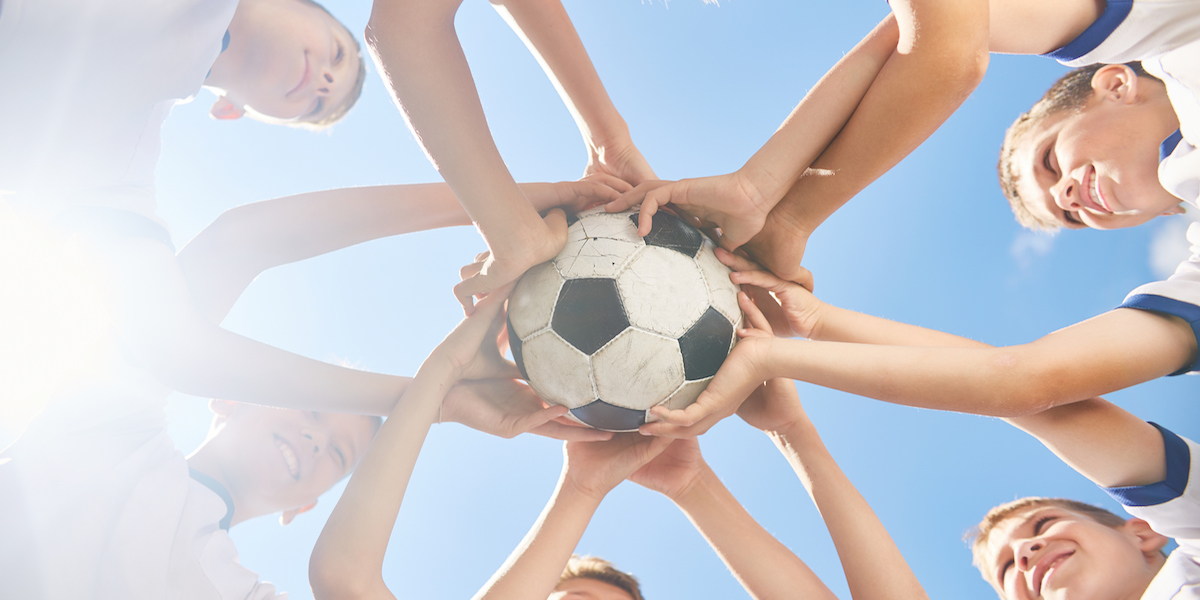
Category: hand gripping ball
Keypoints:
(617, 324)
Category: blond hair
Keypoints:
(1070, 93)
(591, 567)
(978, 536)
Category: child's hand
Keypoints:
(574, 196)
(738, 377)
(731, 202)
(595, 468)
(674, 471)
(471, 350)
(508, 259)
(507, 408)
(623, 161)
(790, 307)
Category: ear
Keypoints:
(222, 408)
(1116, 82)
(1149, 541)
(225, 110)
(1175, 210)
(286, 516)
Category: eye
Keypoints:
(1004, 569)
(1046, 160)
(341, 51)
(1041, 522)
(340, 456)
(1071, 219)
(316, 109)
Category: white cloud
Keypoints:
(1030, 245)
(1169, 244)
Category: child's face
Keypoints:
(287, 59)
(1097, 167)
(1054, 553)
(280, 459)
(586, 588)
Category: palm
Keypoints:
(495, 406)
(772, 406)
(672, 471)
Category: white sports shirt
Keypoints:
(87, 86)
(1172, 508)
(1165, 36)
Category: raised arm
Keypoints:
(763, 565)
(347, 561)
(222, 260)
(590, 471)
(941, 55)
(548, 33)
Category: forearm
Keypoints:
(1106, 444)
(533, 569)
(419, 56)
(820, 115)
(1082, 361)
(874, 567)
(763, 565)
(940, 58)
(836, 324)
(549, 34)
(347, 561)
(204, 360)
(222, 260)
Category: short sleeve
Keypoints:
(1178, 296)
(1171, 506)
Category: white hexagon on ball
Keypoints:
(532, 302)
(598, 245)
(557, 371)
(723, 291)
(637, 369)
(663, 291)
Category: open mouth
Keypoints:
(289, 457)
(1046, 569)
(1096, 199)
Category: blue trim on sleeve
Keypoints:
(1114, 14)
(1179, 465)
(1170, 306)
(1169, 144)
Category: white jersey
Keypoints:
(97, 503)
(1172, 508)
(87, 86)
(1165, 36)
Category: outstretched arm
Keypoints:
(590, 471)
(548, 33)
(347, 561)
(941, 55)
(763, 565)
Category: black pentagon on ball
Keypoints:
(705, 345)
(669, 231)
(588, 313)
(514, 344)
(602, 415)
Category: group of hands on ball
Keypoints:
(664, 455)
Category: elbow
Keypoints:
(333, 581)
(1028, 388)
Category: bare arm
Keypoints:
(347, 561)
(764, 566)
(549, 34)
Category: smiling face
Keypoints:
(288, 60)
(1098, 166)
(1046, 551)
(274, 460)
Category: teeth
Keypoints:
(1096, 192)
(290, 457)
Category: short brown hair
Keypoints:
(1069, 94)
(592, 567)
(978, 536)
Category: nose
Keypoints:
(1066, 192)
(317, 438)
(325, 82)
(1026, 551)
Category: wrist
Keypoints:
(697, 489)
(572, 491)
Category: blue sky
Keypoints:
(702, 86)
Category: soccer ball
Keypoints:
(617, 324)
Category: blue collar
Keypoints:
(219, 490)
(1114, 14)
(1169, 144)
